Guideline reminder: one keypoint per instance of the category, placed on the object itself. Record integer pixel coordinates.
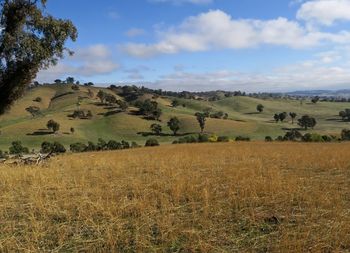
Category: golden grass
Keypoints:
(237, 197)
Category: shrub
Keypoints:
(53, 125)
(213, 138)
(17, 148)
(2, 155)
(242, 138)
(151, 143)
(203, 138)
(345, 135)
(188, 139)
(135, 145)
(327, 138)
(268, 139)
(312, 137)
(78, 147)
(125, 144)
(223, 139)
(91, 146)
(113, 145)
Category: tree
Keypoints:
(201, 118)
(72, 130)
(101, 95)
(17, 148)
(276, 117)
(58, 81)
(156, 129)
(53, 125)
(38, 99)
(110, 99)
(306, 121)
(175, 103)
(174, 125)
(282, 116)
(70, 80)
(122, 105)
(293, 115)
(157, 113)
(33, 110)
(260, 108)
(30, 40)
(314, 100)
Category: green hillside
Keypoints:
(59, 101)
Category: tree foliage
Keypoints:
(30, 40)
(174, 125)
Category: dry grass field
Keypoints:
(236, 197)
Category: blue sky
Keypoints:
(250, 45)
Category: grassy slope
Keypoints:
(17, 124)
(237, 197)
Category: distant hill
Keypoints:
(59, 101)
(322, 93)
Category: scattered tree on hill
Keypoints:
(174, 125)
(30, 40)
(201, 118)
(72, 130)
(122, 105)
(17, 148)
(58, 81)
(75, 87)
(33, 110)
(53, 126)
(314, 100)
(110, 99)
(175, 103)
(282, 116)
(70, 80)
(306, 122)
(260, 108)
(101, 95)
(345, 115)
(89, 84)
(156, 129)
(150, 109)
(276, 117)
(293, 115)
(56, 147)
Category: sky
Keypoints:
(198, 45)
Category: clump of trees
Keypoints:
(55, 147)
(280, 116)
(53, 126)
(18, 149)
(81, 114)
(102, 145)
(156, 129)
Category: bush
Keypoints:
(268, 139)
(125, 145)
(17, 148)
(223, 139)
(78, 147)
(2, 155)
(213, 138)
(345, 135)
(327, 138)
(135, 145)
(203, 138)
(152, 143)
(38, 99)
(242, 138)
(91, 146)
(188, 139)
(312, 137)
(113, 145)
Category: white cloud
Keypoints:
(218, 30)
(86, 62)
(325, 12)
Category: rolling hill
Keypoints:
(59, 101)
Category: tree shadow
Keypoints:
(146, 134)
(337, 120)
(110, 113)
(252, 113)
(40, 133)
(292, 128)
